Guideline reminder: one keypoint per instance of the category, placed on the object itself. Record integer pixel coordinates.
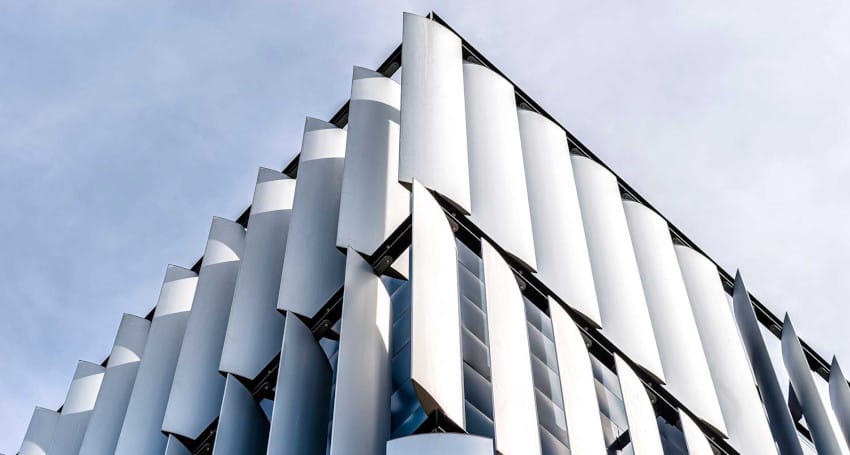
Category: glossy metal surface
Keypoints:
(781, 424)
(255, 327)
(76, 412)
(300, 415)
(563, 263)
(577, 385)
(243, 428)
(746, 423)
(435, 340)
(196, 392)
(39, 433)
(643, 427)
(140, 433)
(118, 380)
(694, 437)
(432, 141)
(839, 397)
(175, 447)
(496, 181)
(373, 202)
(514, 410)
(313, 269)
(622, 304)
(440, 444)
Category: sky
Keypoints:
(125, 129)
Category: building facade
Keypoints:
(444, 269)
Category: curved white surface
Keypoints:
(373, 203)
(108, 415)
(622, 304)
(514, 411)
(435, 340)
(563, 263)
(243, 428)
(300, 415)
(746, 423)
(440, 444)
(255, 327)
(800, 375)
(643, 427)
(140, 433)
(577, 385)
(175, 447)
(313, 268)
(781, 424)
(839, 397)
(196, 392)
(39, 433)
(496, 181)
(679, 345)
(694, 438)
(361, 411)
(432, 139)
(76, 412)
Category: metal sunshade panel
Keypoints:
(643, 427)
(140, 433)
(175, 447)
(255, 327)
(432, 138)
(441, 444)
(243, 428)
(839, 397)
(39, 435)
(694, 437)
(76, 412)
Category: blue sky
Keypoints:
(123, 130)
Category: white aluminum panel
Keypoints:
(302, 397)
(781, 425)
(822, 432)
(622, 304)
(313, 268)
(243, 428)
(255, 327)
(563, 263)
(746, 423)
(577, 385)
(435, 340)
(694, 438)
(175, 447)
(440, 444)
(361, 412)
(839, 397)
(679, 345)
(514, 410)
(140, 433)
(496, 177)
(76, 412)
(643, 427)
(196, 392)
(432, 142)
(118, 379)
(400, 268)
(373, 203)
(39, 434)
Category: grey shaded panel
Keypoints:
(577, 385)
(779, 418)
(373, 203)
(117, 385)
(361, 412)
(140, 432)
(563, 262)
(694, 438)
(242, 427)
(622, 304)
(432, 139)
(746, 422)
(498, 192)
(76, 412)
(839, 397)
(514, 413)
(823, 434)
(302, 402)
(682, 356)
(175, 447)
(197, 389)
(255, 327)
(436, 353)
(643, 428)
(440, 444)
(314, 269)
(39, 435)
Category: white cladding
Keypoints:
(643, 428)
(243, 428)
(255, 327)
(440, 444)
(76, 412)
(839, 397)
(694, 437)
(432, 139)
(39, 433)
(563, 263)
(373, 202)
(196, 392)
(175, 447)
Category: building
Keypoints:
(445, 269)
